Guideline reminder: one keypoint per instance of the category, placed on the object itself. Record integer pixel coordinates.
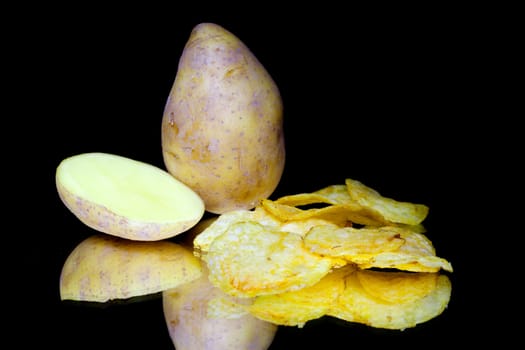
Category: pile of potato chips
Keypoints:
(343, 251)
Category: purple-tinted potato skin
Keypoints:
(222, 127)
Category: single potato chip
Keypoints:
(297, 307)
(381, 247)
(251, 259)
(391, 209)
(339, 214)
(220, 224)
(347, 242)
(357, 304)
(203, 240)
(336, 194)
(416, 255)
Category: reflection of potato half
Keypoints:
(104, 267)
(126, 198)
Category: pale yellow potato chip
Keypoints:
(203, 240)
(416, 255)
(356, 304)
(336, 194)
(104, 267)
(381, 247)
(251, 259)
(347, 242)
(404, 262)
(391, 209)
(295, 308)
(338, 214)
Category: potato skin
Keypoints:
(222, 127)
(104, 220)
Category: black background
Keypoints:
(382, 95)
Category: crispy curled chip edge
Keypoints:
(391, 209)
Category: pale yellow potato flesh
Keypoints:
(125, 197)
(103, 267)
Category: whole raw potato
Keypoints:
(222, 127)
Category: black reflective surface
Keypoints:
(371, 97)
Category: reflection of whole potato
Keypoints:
(222, 128)
(193, 323)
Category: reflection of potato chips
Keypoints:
(251, 259)
(297, 307)
(397, 286)
(357, 305)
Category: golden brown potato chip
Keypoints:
(417, 255)
(251, 259)
(204, 239)
(336, 194)
(356, 304)
(382, 247)
(338, 214)
(295, 308)
(347, 242)
(391, 209)
(405, 262)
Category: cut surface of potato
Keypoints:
(126, 198)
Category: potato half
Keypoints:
(103, 268)
(126, 198)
